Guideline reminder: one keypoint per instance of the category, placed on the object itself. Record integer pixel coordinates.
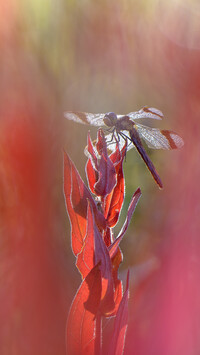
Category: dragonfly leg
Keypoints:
(124, 136)
(114, 134)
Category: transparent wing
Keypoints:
(113, 141)
(94, 119)
(159, 139)
(146, 112)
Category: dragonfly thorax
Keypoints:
(124, 123)
(110, 119)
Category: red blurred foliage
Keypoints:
(33, 287)
(33, 291)
(165, 311)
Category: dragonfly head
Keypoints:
(110, 119)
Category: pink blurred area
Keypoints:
(97, 57)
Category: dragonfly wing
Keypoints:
(159, 139)
(146, 112)
(94, 119)
(112, 141)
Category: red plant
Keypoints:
(98, 255)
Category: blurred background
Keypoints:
(98, 57)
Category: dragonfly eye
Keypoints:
(110, 119)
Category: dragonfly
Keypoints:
(123, 127)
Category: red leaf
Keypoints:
(107, 237)
(101, 144)
(81, 323)
(107, 176)
(117, 298)
(116, 255)
(92, 175)
(116, 261)
(92, 152)
(114, 201)
(117, 295)
(76, 196)
(95, 252)
(86, 258)
(91, 166)
(117, 155)
(121, 323)
(131, 209)
(101, 255)
(100, 169)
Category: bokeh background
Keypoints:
(98, 56)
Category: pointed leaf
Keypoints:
(116, 261)
(81, 323)
(92, 164)
(107, 177)
(76, 196)
(101, 255)
(106, 171)
(131, 209)
(92, 152)
(95, 252)
(101, 144)
(86, 258)
(100, 169)
(114, 201)
(117, 298)
(92, 175)
(107, 237)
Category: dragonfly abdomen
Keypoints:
(138, 144)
